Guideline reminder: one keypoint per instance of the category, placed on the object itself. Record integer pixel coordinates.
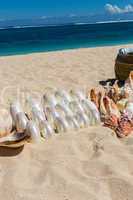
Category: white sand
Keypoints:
(92, 164)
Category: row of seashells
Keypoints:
(58, 111)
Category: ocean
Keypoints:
(24, 40)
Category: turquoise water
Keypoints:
(42, 39)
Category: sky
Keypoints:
(15, 9)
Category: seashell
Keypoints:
(59, 108)
(63, 110)
(14, 109)
(122, 104)
(129, 110)
(34, 104)
(116, 89)
(32, 131)
(14, 140)
(46, 129)
(38, 116)
(51, 115)
(40, 120)
(21, 122)
(49, 100)
(18, 139)
(92, 111)
(76, 106)
(102, 108)
(96, 117)
(5, 123)
(129, 81)
(61, 124)
(80, 120)
(73, 123)
(85, 119)
(111, 107)
(63, 96)
(94, 97)
(77, 95)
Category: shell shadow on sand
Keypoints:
(10, 152)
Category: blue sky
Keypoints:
(36, 8)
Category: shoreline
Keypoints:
(68, 50)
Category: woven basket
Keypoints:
(128, 58)
(122, 69)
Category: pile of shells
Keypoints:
(115, 104)
(58, 111)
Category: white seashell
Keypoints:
(76, 107)
(61, 124)
(96, 118)
(33, 105)
(60, 110)
(14, 109)
(38, 116)
(83, 119)
(32, 131)
(51, 115)
(46, 129)
(49, 100)
(14, 140)
(80, 120)
(72, 122)
(77, 95)
(5, 122)
(92, 111)
(21, 122)
(63, 110)
(63, 96)
(40, 120)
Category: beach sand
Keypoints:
(90, 164)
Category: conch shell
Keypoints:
(92, 111)
(14, 109)
(38, 116)
(61, 124)
(14, 140)
(129, 81)
(115, 92)
(18, 139)
(82, 119)
(121, 105)
(46, 129)
(111, 107)
(32, 131)
(51, 115)
(94, 97)
(21, 122)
